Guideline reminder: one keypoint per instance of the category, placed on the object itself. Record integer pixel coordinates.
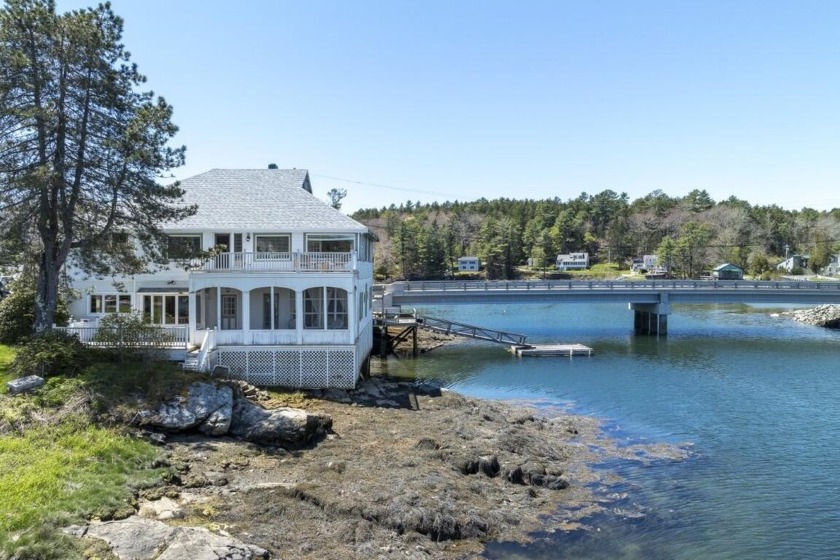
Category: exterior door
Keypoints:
(231, 255)
(229, 312)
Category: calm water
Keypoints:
(756, 395)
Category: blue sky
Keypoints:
(445, 100)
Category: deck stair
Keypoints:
(470, 331)
(191, 363)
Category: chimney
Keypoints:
(272, 166)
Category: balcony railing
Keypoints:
(281, 262)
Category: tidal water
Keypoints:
(755, 394)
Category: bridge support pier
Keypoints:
(651, 318)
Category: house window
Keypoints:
(336, 308)
(184, 246)
(268, 246)
(325, 308)
(329, 243)
(166, 309)
(313, 308)
(110, 303)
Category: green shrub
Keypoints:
(52, 353)
(17, 312)
(128, 335)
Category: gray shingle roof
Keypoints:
(258, 199)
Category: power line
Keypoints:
(380, 186)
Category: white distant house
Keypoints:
(468, 264)
(648, 263)
(795, 261)
(286, 298)
(573, 261)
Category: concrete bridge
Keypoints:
(650, 299)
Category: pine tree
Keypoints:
(80, 147)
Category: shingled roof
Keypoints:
(259, 199)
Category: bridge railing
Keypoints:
(495, 285)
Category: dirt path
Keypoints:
(409, 471)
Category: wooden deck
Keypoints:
(552, 350)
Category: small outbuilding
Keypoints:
(728, 271)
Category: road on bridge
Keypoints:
(648, 291)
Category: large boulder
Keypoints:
(136, 538)
(278, 427)
(219, 410)
(206, 407)
(24, 384)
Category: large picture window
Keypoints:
(324, 243)
(183, 246)
(272, 246)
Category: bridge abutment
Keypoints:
(651, 318)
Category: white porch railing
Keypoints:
(154, 336)
(208, 344)
(280, 262)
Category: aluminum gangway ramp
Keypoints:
(471, 331)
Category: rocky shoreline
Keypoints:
(827, 316)
(393, 469)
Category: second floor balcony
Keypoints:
(279, 262)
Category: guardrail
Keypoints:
(451, 286)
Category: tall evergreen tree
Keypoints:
(80, 147)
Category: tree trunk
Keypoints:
(46, 295)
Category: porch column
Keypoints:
(299, 316)
(271, 309)
(193, 323)
(246, 316)
(218, 307)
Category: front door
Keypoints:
(229, 312)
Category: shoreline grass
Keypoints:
(58, 467)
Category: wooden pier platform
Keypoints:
(552, 350)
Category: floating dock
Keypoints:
(552, 350)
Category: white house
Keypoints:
(286, 300)
(648, 263)
(468, 264)
(573, 261)
(795, 261)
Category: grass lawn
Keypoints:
(7, 354)
(57, 467)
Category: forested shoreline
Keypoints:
(692, 233)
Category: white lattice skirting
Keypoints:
(300, 367)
